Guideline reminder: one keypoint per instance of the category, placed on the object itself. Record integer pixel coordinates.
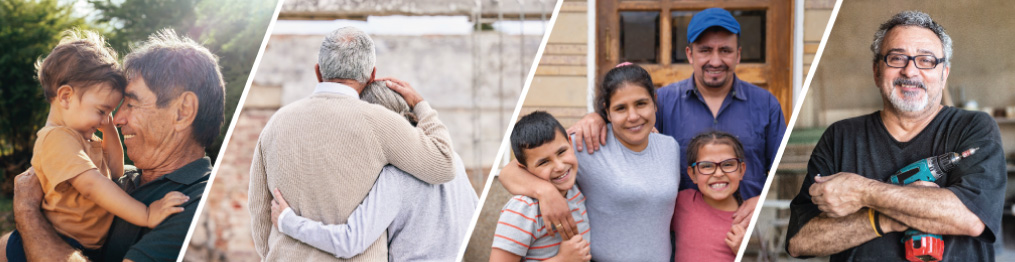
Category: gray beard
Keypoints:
(906, 105)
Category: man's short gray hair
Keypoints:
(912, 18)
(379, 93)
(347, 53)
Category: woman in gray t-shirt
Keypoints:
(631, 183)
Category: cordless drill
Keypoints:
(921, 246)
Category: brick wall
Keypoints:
(223, 230)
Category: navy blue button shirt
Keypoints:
(750, 113)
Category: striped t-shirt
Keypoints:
(520, 229)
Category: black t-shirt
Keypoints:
(863, 146)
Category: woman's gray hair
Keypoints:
(912, 18)
(347, 53)
(379, 93)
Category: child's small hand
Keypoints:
(162, 208)
(734, 237)
(107, 127)
(574, 249)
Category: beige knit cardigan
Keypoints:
(324, 153)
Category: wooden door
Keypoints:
(652, 34)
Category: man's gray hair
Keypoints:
(912, 18)
(347, 53)
(379, 93)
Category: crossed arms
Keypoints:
(831, 216)
(844, 223)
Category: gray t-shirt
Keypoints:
(630, 197)
(424, 222)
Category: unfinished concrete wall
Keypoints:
(439, 67)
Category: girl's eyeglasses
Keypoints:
(707, 167)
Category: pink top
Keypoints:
(700, 229)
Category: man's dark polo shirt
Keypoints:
(162, 243)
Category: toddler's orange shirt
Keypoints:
(61, 154)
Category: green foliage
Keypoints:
(28, 30)
(131, 21)
(239, 28)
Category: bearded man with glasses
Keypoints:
(846, 208)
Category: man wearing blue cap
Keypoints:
(712, 99)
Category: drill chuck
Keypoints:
(929, 169)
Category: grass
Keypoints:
(6, 215)
(6, 204)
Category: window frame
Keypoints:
(774, 74)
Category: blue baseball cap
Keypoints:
(708, 18)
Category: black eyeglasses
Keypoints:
(707, 167)
(921, 61)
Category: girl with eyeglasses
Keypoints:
(703, 217)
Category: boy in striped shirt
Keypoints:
(543, 149)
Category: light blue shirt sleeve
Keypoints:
(370, 219)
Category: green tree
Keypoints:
(233, 30)
(28, 30)
(131, 21)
